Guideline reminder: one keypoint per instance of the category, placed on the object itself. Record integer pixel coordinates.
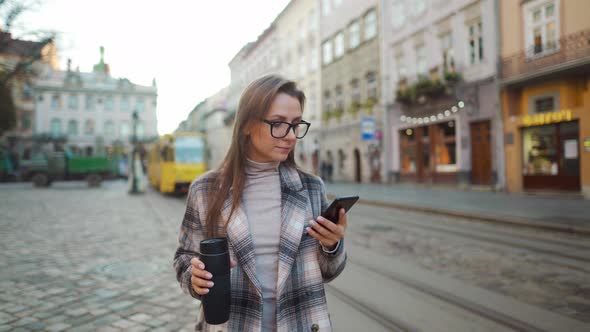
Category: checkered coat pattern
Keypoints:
(303, 266)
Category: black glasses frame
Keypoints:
(291, 126)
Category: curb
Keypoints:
(511, 221)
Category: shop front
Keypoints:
(551, 156)
(546, 125)
(428, 153)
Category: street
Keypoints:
(79, 259)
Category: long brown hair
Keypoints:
(254, 104)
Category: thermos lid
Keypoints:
(216, 245)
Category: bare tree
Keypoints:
(17, 57)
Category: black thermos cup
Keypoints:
(215, 256)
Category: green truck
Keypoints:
(44, 168)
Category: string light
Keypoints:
(433, 118)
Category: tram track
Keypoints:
(576, 255)
(447, 297)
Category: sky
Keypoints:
(185, 44)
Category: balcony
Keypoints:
(571, 51)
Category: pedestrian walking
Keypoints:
(282, 252)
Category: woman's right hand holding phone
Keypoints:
(201, 278)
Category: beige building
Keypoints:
(545, 84)
(350, 85)
(298, 35)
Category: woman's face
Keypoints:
(263, 146)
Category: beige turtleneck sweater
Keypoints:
(262, 205)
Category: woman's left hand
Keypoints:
(328, 232)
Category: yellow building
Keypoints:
(545, 91)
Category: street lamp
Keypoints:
(133, 189)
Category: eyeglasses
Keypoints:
(280, 129)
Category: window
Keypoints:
(125, 131)
(140, 130)
(354, 35)
(125, 104)
(475, 42)
(55, 102)
(339, 99)
(301, 29)
(26, 121)
(540, 150)
(27, 92)
(339, 45)
(446, 147)
(140, 105)
(327, 52)
(313, 62)
(327, 104)
(401, 66)
(89, 127)
(73, 127)
(372, 85)
(109, 128)
(108, 103)
(55, 127)
(313, 20)
(419, 6)
(326, 7)
(408, 149)
(421, 65)
(355, 89)
(542, 28)
(398, 17)
(90, 103)
(73, 102)
(370, 24)
(302, 66)
(446, 44)
(544, 103)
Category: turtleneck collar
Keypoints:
(254, 167)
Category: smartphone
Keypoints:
(345, 202)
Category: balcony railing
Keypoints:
(547, 57)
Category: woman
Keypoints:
(282, 251)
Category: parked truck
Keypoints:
(46, 167)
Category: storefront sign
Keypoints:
(547, 118)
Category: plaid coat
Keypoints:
(303, 266)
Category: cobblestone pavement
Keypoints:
(79, 259)
(517, 273)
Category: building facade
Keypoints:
(12, 53)
(92, 111)
(440, 84)
(351, 94)
(545, 89)
(298, 35)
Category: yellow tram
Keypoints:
(175, 161)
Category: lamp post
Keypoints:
(133, 189)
